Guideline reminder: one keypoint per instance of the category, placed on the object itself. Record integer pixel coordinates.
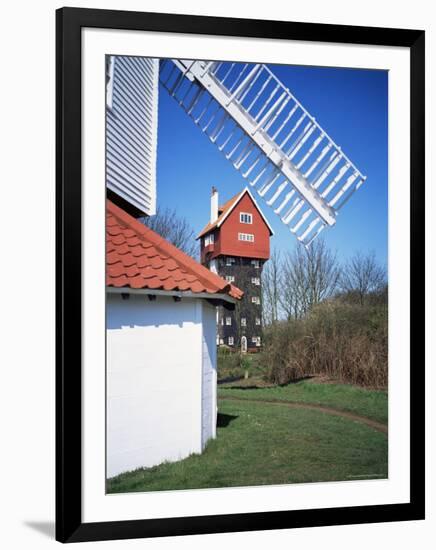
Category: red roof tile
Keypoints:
(137, 257)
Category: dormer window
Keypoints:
(209, 239)
(247, 237)
(245, 217)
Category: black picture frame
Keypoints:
(69, 525)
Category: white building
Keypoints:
(161, 347)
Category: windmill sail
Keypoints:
(269, 137)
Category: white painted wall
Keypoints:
(209, 375)
(161, 380)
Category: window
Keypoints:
(247, 237)
(255, 263)
(257, 320)
(222, 320)
(255, 281)
(217, 340)
(221, 342)
(230, 278)
(209, 239)
(244, 217)
(256, 340)
(228, 320)
(231, 341)
(230, 261)
(243, 322)
(255, 300)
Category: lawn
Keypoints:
(260, 443)
(372, 404)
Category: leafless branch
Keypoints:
(175, 229)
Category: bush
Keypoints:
(346, 342)
(230, 363)
(233, 363)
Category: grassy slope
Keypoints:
(369, 403)
(260, 444)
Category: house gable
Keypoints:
(240, 230)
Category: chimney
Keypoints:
(214, 205)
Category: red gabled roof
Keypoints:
(222, 211)
(137, 257)
(226, 208)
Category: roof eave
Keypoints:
(175, 293)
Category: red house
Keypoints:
(236, 244)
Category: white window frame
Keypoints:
(231, 341)
(243, 322)
(229, 261)
(246, 237)
(255, 300)
(246, 217)
(254, 339)
(230, 278)
(255, 263)
(221, 341)
(258, 321)
(209, 239)
(255, 281)
(258, 341)
(228, 321)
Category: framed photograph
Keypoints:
(240, 275)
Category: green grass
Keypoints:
(370, 403)
(263, 444)
(231, 364)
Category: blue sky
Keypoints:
(350, 104)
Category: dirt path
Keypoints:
(379, 426)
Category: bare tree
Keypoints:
(271, 288)
(175, 229)
(362, 275)
(310, 275)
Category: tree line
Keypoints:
(294, 282)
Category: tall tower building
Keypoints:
(236, 244)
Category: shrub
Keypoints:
(229, 363)
(343, 341)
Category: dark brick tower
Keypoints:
(236, 244)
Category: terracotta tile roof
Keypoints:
(137, 257)
(222, 211)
